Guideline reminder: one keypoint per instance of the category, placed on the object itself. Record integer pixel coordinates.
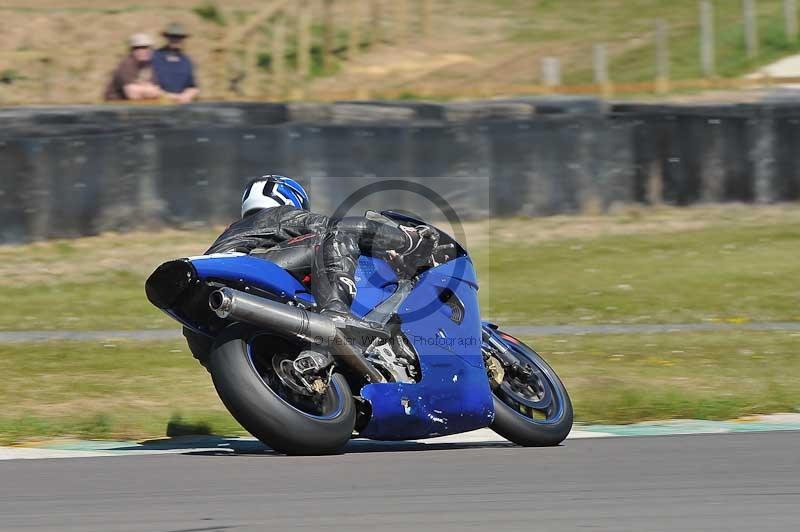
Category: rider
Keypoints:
(277, 224)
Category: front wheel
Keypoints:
(532, 407)
(242, 365)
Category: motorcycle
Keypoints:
(303, 383)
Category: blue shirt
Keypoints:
(174, 70)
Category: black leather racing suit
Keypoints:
(305, 243)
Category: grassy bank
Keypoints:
(721, 273)
(134, 390)
(105, 390)
(474, 40)
(721, 375)
(724, 263)
(728, 263)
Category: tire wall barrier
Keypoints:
(68, 172)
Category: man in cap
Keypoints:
(174, 69)
(133, 79)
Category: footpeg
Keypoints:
(361, 327)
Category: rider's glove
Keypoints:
(418, 252)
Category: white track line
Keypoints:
(483, 436)
(222, 445)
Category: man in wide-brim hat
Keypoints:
(133, 79)
(176, 31)
(173, 68)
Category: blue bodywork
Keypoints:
(375, 281)
(253, 271)
(453, 394)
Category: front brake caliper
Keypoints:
(495, 371)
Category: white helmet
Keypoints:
(273, 191)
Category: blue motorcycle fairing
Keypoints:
(453, 395)
(375, 281)
(258, 272)
(454, 271)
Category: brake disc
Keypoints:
(284, 369)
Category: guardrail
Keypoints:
(77, 171)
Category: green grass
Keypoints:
(639, 64)
(654, 266)
(105, 390)
(211, 13)
(628, 28)
(720, 375)
(126, 390)
(89, 283)
(115, 300)
(723, 263)
(714, 274)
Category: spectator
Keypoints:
(133, 78)
(173, 68)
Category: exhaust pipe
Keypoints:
(278, 317)
(241, 306)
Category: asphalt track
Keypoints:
(720, 482)
(15, 337)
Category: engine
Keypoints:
(395, 359)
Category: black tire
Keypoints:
(200, 345)
(265, 414)
(520, 429)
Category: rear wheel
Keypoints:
(246, 368)
(532, 407)
(199, 345)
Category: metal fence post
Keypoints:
(600, 64)
(601, 76)
(790, 19)
(662, 57)
(551, 71)
(750, 27)
(707, 38)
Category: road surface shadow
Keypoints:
(227, 446)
